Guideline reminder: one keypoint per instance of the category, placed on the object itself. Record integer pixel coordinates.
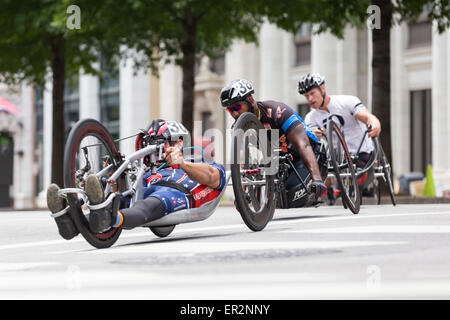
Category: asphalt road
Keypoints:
(384, 252)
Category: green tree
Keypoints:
(39, 42)
(179, 31)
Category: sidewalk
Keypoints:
(400, 199)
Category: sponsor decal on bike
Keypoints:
(299, 194)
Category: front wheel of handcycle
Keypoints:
(251, 172)
(343, 168)
(89, 149)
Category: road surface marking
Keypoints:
(214, 247)
(240, 226)
(380, 229)
(19, 266)
(152, 285)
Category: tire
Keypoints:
(256, 204)
(341, 160)
(162, 231)
(387, 171)
(86, 131)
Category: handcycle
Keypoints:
(90, 149)
(259, 169)
(376, 169)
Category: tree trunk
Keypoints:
(381, 69)
(188, 65)
(58, 70)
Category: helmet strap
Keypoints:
(324, 94)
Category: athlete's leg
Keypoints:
(141, 213)
(162, 201)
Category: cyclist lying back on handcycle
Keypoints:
(295, 136)
(177, 185)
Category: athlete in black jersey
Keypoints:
(295, 135)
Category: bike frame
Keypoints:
(135, 189)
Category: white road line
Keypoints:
(215, 247)
(151, 285)
(225, 227)
(19, 266)
(380, 229)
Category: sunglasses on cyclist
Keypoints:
(235, 107)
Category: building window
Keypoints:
(419, 33)
(302, 43)
(303, 109)
(421, 139)
(218, 64)
(207, 123)
(71, 104)
(39, 136)
(110, 100)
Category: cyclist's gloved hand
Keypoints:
(318, 188)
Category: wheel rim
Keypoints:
(251, 163)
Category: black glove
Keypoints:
(318, 188)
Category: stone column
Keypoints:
(134, 103)
(47, 143)
(23, 152)
(271, 64)
(400, 122)
(440, 109)
(89, 95)
(336, 60)
(170, 92)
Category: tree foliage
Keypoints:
(36, 46)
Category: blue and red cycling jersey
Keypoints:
(173, 199)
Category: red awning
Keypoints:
(6, 106)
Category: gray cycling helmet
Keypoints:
(235, 91)
(310, 81)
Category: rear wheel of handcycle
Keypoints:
(88, 150)
(251, 172)
(343, 168)
(387, 171)
(162, 231)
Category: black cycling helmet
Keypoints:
(309, 82)
(235, 91)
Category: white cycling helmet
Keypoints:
(310, 81)
(235, 91)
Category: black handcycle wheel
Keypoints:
(162, 231)
(343, 168)
(89, 144)
(251, 172)
(387, 171)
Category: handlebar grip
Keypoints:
(160, 152)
